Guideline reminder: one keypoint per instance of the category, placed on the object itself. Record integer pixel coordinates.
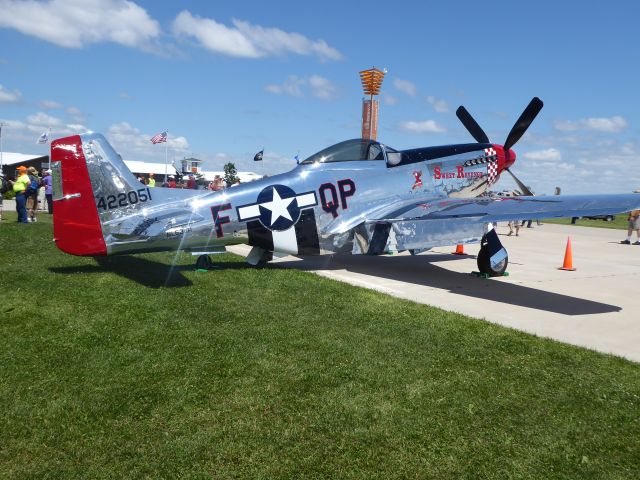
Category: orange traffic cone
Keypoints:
(459, 250)
(568, 258)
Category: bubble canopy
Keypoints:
(349, 151)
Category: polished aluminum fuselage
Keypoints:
(336, 197)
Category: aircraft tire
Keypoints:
(484, 264)
(204, 262)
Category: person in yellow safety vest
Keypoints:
(152, 181)
(20, 188)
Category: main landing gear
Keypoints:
(259, 257)
(492, 258)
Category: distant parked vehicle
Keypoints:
(606, 218)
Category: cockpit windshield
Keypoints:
(348, 151)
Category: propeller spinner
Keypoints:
(518, 129)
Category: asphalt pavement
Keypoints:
(596, 306)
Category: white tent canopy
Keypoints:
(243, 176)
(147, 167)
(9, 158)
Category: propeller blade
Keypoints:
(521, 125)
(471, 125)
(522, 186)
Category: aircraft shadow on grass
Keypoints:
(417, 270)
(420, 271)
(146, 272)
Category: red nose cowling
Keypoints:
(504, 161)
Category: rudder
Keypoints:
(76, 224)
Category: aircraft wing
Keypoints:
(493, 209)
(426, 223)
(489, 209)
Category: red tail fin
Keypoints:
(76, 225)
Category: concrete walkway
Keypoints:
(597, 306)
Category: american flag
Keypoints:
(159, 138)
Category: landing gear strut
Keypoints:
(204, 262)
(259, 257)
(492, 258)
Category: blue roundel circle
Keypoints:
(278, 207)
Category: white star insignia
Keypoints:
(278, 207)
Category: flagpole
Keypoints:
(1, 155)
(166, 157)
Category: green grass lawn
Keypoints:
(128, 368)
(620, 222)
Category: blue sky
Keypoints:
(229, 78)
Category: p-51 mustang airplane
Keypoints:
(358, 196)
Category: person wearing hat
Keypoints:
(20, 189)
(32, 194)
(47, 181)
(171, 183)
(4, 187)
(152, 181)
(218, 183)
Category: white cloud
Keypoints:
(77, 23)
(49, 105)
(37, 123)
(41, 122)
(277, 42)
(291, 86)
(249, 41)
(405, 86)
(322, 87)
(214, 36)
(558, 167)
(12, 124)
(580, 167)
(295, 86)
(9, 97)
(566, 126)
(77, 127)
(124, 132)
(542, 155)
(389, 99)
(425, 126)
(134, 145)
(76, 114)
(178, 144)
(439, 106)
(613, 124)
(41, 119)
